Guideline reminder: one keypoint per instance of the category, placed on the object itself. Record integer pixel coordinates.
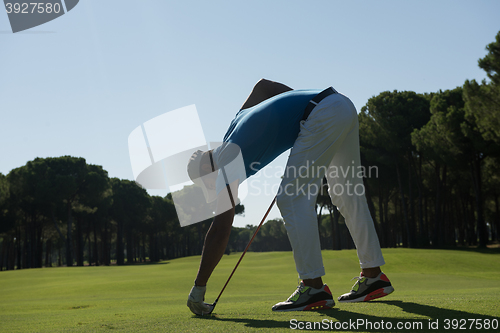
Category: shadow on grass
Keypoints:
(441, 320)
(253, 323)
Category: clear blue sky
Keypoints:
(80, 84)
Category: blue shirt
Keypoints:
(265, 131)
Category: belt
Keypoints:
(315, 101)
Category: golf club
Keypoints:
(248, 245)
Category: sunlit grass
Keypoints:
(430, 285)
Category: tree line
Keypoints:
(437, 185)
(63, 211)
(438, 157)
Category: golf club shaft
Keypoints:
(248, 245)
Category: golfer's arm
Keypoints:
(215, 242)
(263, 90)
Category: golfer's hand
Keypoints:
(196, 302)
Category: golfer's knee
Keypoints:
(283, 201)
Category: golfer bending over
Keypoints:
(321, 128)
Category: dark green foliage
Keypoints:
(491, 62)
(391, 117)
(6, 223)
(386, 124)
(129, 211)
(272, 236)
(483, 100)
(457, 149)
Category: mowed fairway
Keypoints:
(430, 285)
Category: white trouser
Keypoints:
(327, 145)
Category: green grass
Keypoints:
(430, 285)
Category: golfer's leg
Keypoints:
(346, 190)
(319, 138)
(296, 201)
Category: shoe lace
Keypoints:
(297, 291)
(357, 278)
